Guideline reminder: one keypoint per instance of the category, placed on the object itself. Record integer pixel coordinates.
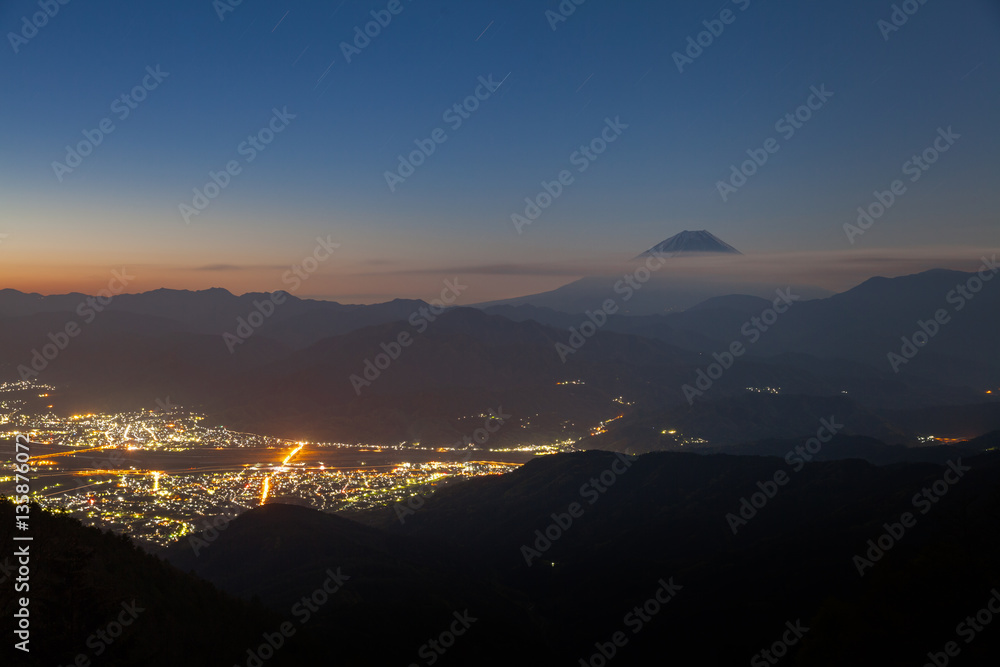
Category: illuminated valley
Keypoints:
(159, 475)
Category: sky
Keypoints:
(671, 118)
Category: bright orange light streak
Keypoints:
(69, 453)
(290, 456)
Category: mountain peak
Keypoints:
(701, 241)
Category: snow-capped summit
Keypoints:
(691, 242)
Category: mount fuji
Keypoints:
(691, 242)
(685, 280)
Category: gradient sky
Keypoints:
(324, 174)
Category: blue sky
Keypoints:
(324, 173)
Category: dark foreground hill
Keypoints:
(396, 593)
(664, 558)
(95, 598)
(555, 558)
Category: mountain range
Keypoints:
(307, 369)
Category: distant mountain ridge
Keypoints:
(292, 376)
(296, 322)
